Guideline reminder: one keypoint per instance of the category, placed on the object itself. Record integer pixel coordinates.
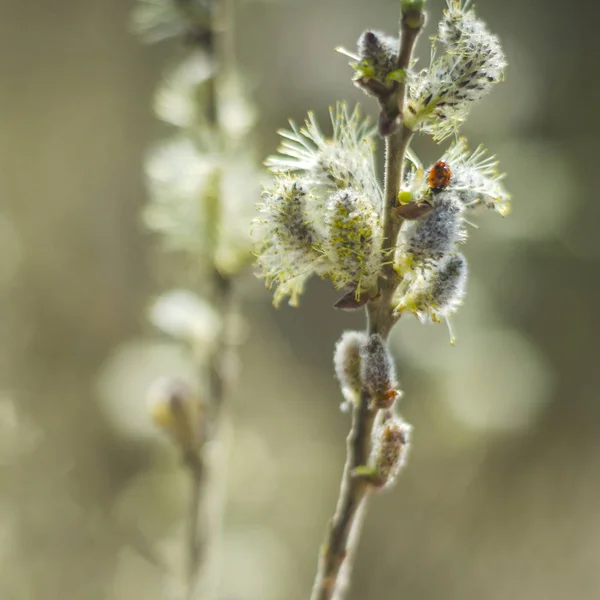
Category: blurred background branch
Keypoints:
(200, 200)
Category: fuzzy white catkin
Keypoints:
(346, 359)
(344, 160)
(183, 315)
(288, 220)
(470, 62)
(428, 239)
(180, 180)
(321, 215)
(440, 291)
(377, 370)
(287, 253)
(448, 286)
(475, 178)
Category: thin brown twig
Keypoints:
(193, 548)
(344, 530)
(200, 476)
(218, 44)
(343, 579)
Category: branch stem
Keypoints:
(337, 552)
(193, 546)
(198, 529)
(202, 520)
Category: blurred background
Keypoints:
(501, 495)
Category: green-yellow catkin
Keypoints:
(353, 240)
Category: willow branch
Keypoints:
(344, 531)
(193, 547)
(198, 539)
(218, 44)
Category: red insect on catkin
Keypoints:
(391, 395)
(439, 176)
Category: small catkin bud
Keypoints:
(412, 5)
(353, 244)
(377, 372)
(378, 48)
(347, 360)
(378, 55)
(173, 408)
(391, 444)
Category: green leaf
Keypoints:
(399, 76)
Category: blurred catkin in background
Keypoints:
(500, 495)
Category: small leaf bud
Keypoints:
(413, 15)
(351, 300)
(413, 210)
(408, 5)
